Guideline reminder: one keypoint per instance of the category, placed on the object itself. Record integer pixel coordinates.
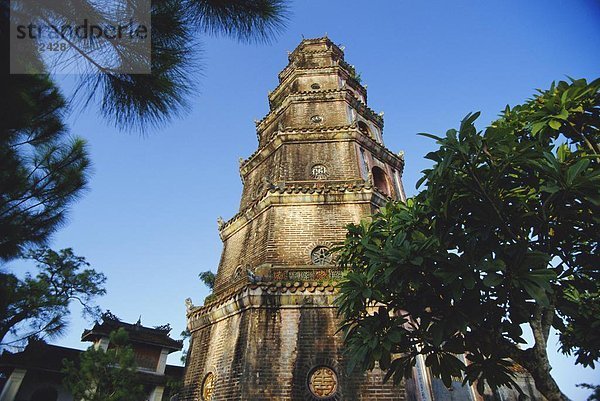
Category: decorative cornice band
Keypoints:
(263, 296)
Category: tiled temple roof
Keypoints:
(137, 333)
(40, 356)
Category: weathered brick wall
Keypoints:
(297, 114)
(293, 161)
(247, 248)
(285, 235)
(333, 112)
(338, 157)
(254, 181)
(325, 81)
(268, 353)
(304, 83)
(298, 229)
(195, 366)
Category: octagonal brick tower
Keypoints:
(269, 330)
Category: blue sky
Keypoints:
(149, 218)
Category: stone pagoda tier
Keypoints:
(269, 331)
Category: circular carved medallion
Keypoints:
(321, 256)
(316, 119)
(319, 172)
(323, 382)
(208, 386)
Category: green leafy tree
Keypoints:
(109, 375)
(38, 306)
(185, 335)
(208, 279)
(503, 237)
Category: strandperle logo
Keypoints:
(83, 31)
(80, 37)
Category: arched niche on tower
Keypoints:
(381, 181)
(364, 128)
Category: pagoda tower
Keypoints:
(269, 330)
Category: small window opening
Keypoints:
(381, 181)
(362, 127)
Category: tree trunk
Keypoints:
(535, 359)
(538, 366)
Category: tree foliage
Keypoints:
(184, 335)
(595, 396)
(208, 279)
(39, 306)
(123, 97)
(42, 170)
(109, 375)
(504, 236)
